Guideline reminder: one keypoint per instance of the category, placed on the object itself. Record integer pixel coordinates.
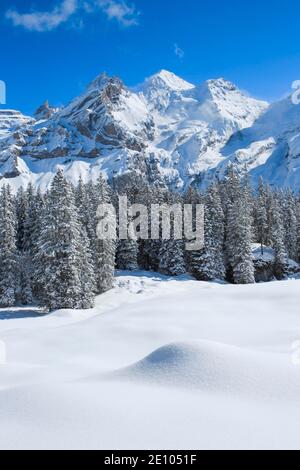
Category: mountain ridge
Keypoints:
(165, 128)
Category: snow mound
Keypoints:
(216, 367)
(205, 366)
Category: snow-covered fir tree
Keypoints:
(171, 254)
(105, 249)
(62, 261)
(86, 204)
(239, 232)
(278, 240)
(298, 231)
(172, 258)
(127, 249)
(208, 263)
(35, 222)
(261, 216)
(50, 252)
(290, 225)
(27, 217)
(8, 249)
(127, 255)
(149, 249)
(21, 213)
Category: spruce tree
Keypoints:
(35, 225)
(127, 255)
(21, 213)
(8, 249)
(171, 252)
(208, 263)
(239, 244)
(239, 232)
(278, 239)
(172, 258)
(298, 230)
(261, 216)
(105, 250)
(290, 224)
(62, 261)
(26, 223)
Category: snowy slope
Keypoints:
(11, 121)
(194, 124)
(159, 363)
(12, 127)
(271, 147)
(104, 129)
(166, 128)
(162, 89)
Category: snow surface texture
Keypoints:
(158, 363)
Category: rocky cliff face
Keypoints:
(270, 148)
(11, 121)
(13, 127)
(166, 128)
(45, 111)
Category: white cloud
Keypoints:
(119, 10)
(44, 20)
(178, 51)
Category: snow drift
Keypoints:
(159, 363)
(216, 367)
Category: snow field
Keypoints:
(158, 363)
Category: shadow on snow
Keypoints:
(20, 312)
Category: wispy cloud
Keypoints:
(44, 20)
(118, 10)
(178, 51)
(125, 14)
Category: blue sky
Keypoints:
(52, 50)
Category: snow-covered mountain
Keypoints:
(193, 123)
(164, 128)
(12, 125)
(270, 148)
(11, 121)
(45, 111)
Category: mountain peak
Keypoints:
(103, 80)
(99, 81)
(229, 98)
(221, 83)
(167, 80)
(217, 87)
(45, 111)
(172, 81)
